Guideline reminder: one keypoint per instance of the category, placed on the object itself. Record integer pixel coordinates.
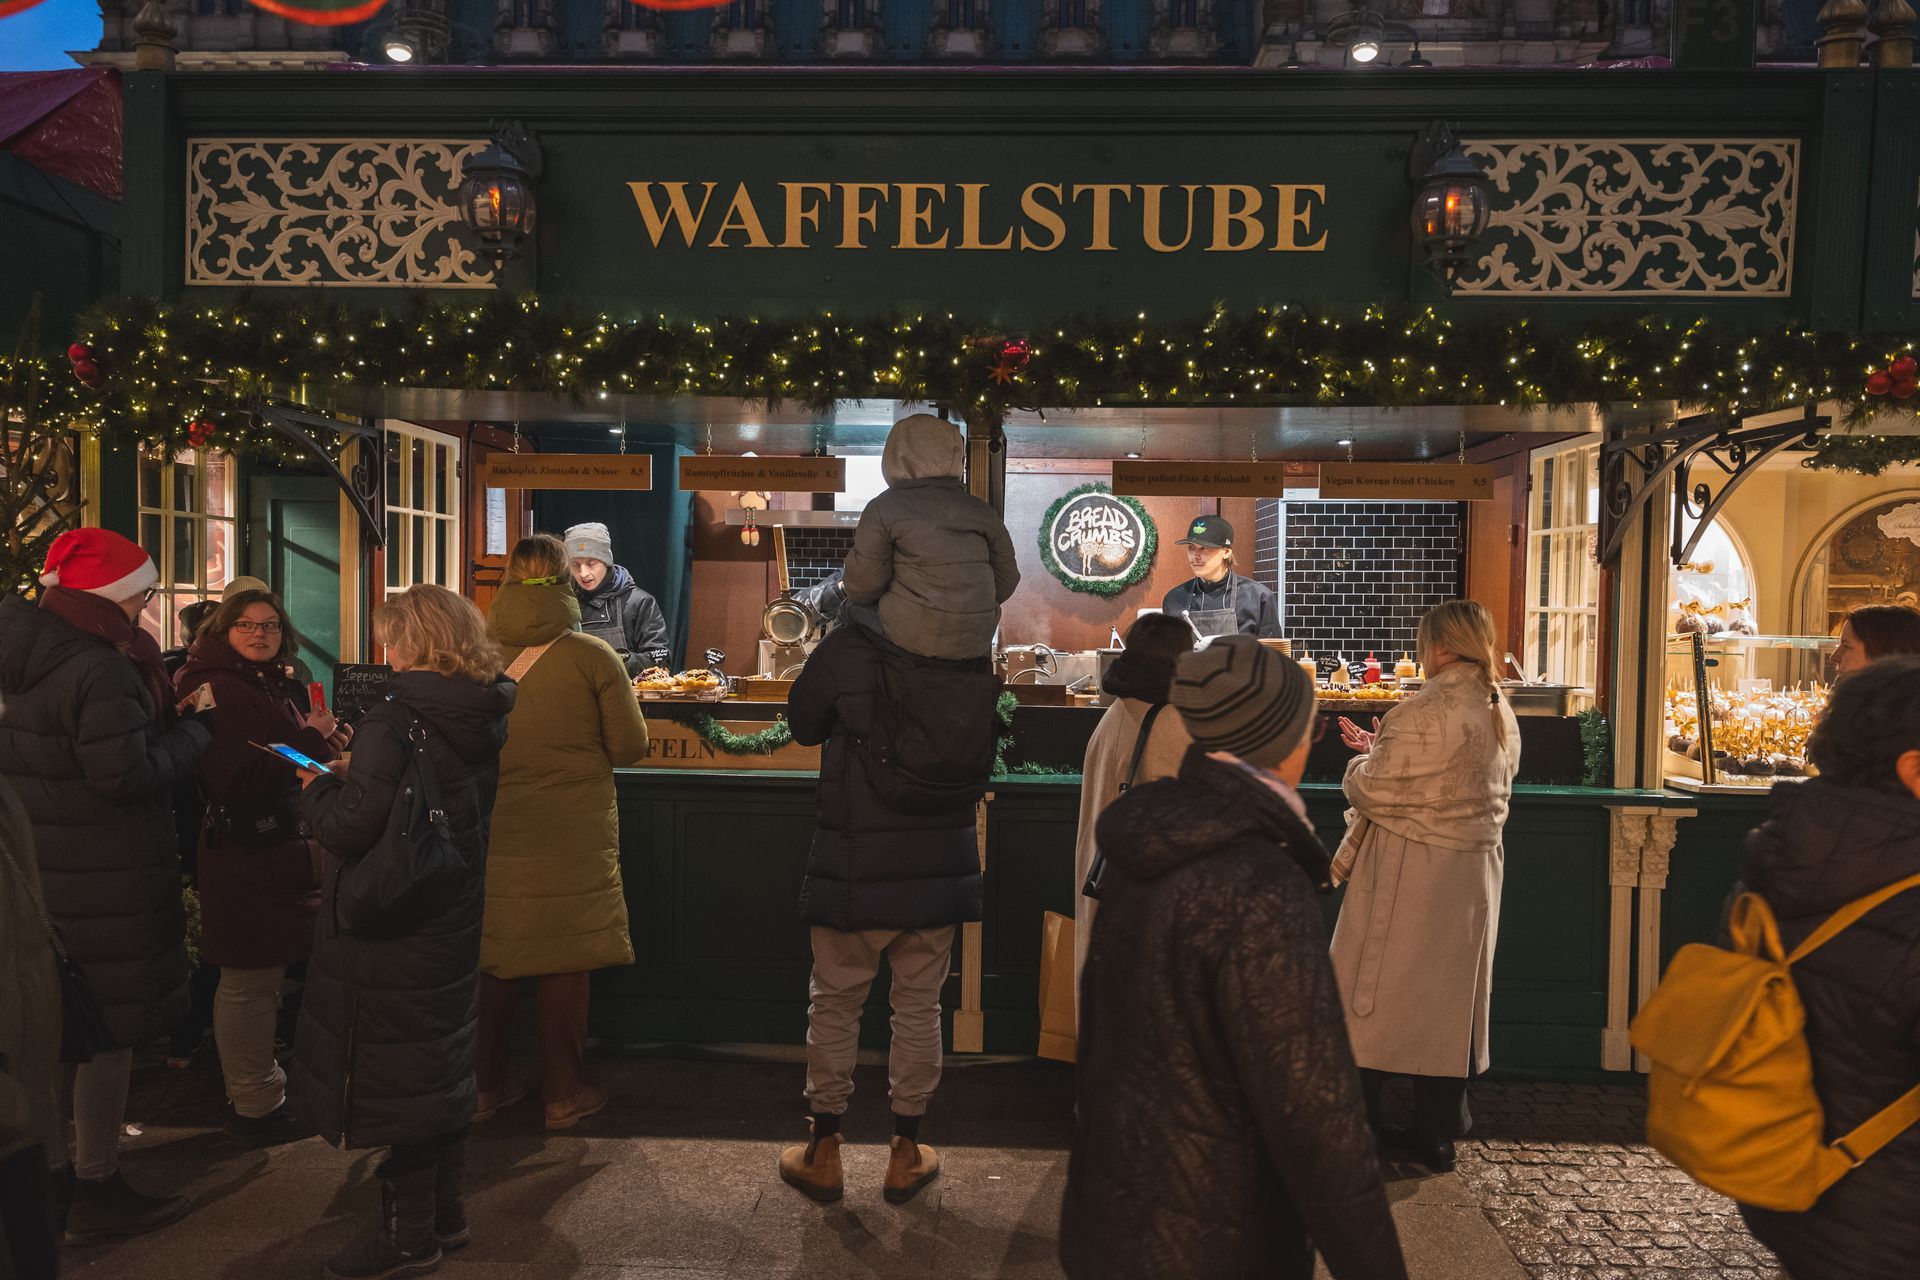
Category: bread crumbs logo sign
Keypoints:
(1095, 541)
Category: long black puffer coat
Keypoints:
(385, 1049)
(1220, 1131)
(1823, 846)
(80, 743)
(871, 866)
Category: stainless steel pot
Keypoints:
(788, 621)
(1537, 699)
(1027, 664)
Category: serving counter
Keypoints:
(714, 846)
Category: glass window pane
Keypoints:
(1592, 468)
(443, 477)
(150, 536)
(449, 575)
(395, 552)
(156, 619)
(186, 553)
(395, 443)
(417, 497)
(219, 470)
(186, 481)
(220, 550)
(1545, 486)
(150, 480)
(418, 553)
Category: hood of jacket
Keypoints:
(524, 614)
(209, 654)
(1824, 845)
(33, 642)
(1159, 827)
(923, 447)
(472, 718)
(618, 580)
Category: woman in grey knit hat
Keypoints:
(1220, 1130)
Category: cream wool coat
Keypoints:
(1109, 752)
(1413, 947)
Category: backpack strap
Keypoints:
(1140, 743)
(1881, 1129)
(525, 662)
(1849, 915)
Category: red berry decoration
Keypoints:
(79, 351)
(1879, 384)
(1905, 390)
(87, 372)
(200, 433)
(1015, 352)
(1905, 369)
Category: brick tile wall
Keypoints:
(1360, 574)
(814, 555)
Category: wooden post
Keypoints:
(1843, 30)
(1893, 24)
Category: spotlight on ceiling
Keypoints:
(1416, 60)
(1363, 33)
(416, 34)
(399, 48)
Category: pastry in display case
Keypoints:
(1740, 707)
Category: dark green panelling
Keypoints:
(713, 862)
(1708, 855)
(61, 243)
(1892, 303)
(1835, 183)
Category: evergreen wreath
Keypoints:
(1108, 587)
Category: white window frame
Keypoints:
(162, 614)
(412, 516)
(1562, 664)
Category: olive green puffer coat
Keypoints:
(555, 903)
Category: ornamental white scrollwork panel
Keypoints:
(1637, 217)
(352, 212)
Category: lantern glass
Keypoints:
(1450, 212)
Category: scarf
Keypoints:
(104, 620)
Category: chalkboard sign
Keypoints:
(357, 686)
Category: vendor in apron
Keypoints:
(1216, 600)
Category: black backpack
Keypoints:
(935, 729)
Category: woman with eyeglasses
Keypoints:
(259, 871)
(556, 910)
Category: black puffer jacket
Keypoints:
(81, 745)
(621, 612)
(871, 866)
(385, 1049)
(1221, 1132)
(1824, 846)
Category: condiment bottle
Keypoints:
(1312, 668)
(1405, 668)
(1340, 679)
(1370, 674)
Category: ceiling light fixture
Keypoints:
(1363, 33)
(1416, 61)
(416, 34)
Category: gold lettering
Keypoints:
(802, 217)
(741, 217)
(1296, 217)
(1150, 217)
(915, 215)
(1102, 193)
(1048, 218)
(854, 212)
(970, 219)
(677, 205)
(1226, 216)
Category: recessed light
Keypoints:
(1343, 443)
(1132, 454)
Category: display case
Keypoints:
(1739, 708)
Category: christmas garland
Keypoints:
(1596, 749)
(1107, 587)
(763, 742)
(153, 370)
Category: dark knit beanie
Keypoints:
(1239, 696)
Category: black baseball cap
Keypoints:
(1208, 531)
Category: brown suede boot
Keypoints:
(910, 1166)
(814, 1169)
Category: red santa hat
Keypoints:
(99, 562)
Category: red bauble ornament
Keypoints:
(1015, 352)
(1905, 369)
(79, 351)
(200, 432)
(1879, 384)
(1904, 390)
(87, 371)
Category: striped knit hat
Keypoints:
(1238, 696)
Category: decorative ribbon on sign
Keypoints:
(321, 13)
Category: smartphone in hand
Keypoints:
(299, 759)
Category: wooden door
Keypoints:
(293, 545)
(496, 518)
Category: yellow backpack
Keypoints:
(1730, 1098)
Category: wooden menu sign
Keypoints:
(1152, 479)
(1423, 481)
(763, 475)
(672, 744)
(566, 471)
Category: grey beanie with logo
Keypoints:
(590, 541)
(1239, 696)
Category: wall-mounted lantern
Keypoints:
(497, 201)
(1451, 199)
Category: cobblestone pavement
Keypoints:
(1562, 1173)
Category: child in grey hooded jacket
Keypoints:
(931, 563)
